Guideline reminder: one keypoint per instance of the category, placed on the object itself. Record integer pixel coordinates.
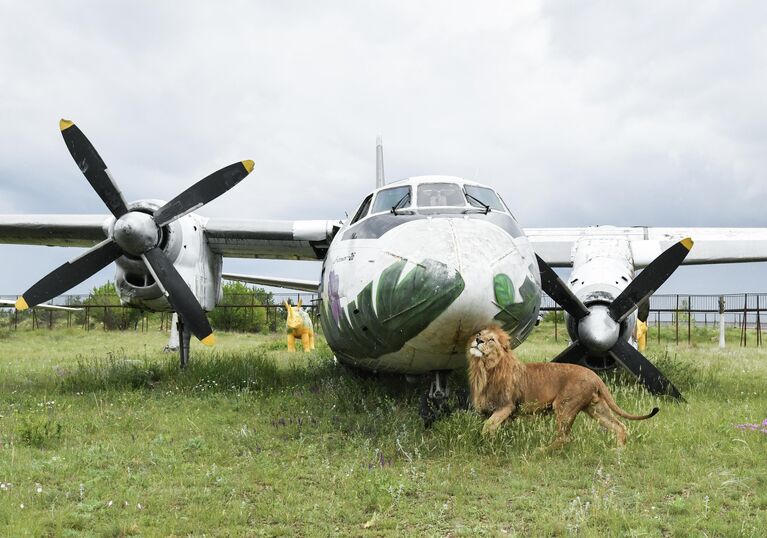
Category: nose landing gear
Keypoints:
(436, 403)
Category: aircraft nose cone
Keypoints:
(498, 275)
(136, 232)
(598, 331)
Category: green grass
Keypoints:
(102, 435)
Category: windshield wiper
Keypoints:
(480, 202)
(398, 206)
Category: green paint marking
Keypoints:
(404, 307)
(518, 319)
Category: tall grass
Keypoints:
(252, 440)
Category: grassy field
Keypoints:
(102, 435)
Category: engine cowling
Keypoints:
(602, 269)
(183, 242)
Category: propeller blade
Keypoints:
(572, 354)
(636, 363)
(179, 295)
(202, 192)
(558, 290)
(643, 310)
(650, 279)
(70, 274)
(93, 168)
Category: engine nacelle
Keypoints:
(602, 269)
(183, 242)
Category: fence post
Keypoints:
(689, 320)
(758, 324)
(556, 336)
(721, 322)
(676, 315)
(657, 324)
(744, 322)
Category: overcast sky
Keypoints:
(579, 113)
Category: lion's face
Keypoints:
(489, 346)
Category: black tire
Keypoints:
(432, 410)
(429, 410)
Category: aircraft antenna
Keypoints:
(380, 181)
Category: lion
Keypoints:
(501, 385)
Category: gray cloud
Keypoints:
(578, 114)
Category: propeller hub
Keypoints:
(598, 331)
(136, 232)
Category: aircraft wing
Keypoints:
(271, 239)
(237, 238)
(53, 230)
(301, 285)
(712, 245)
(4, 303)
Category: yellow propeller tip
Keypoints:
(21, 304)
(687, 242)
(209, 340)
(65, 124)
(248, 165)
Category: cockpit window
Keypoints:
(440, 195)
(363, 210)
(389, 198)
(482, 196)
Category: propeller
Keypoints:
(598, 327)
(135, 233)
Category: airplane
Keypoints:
(423, 264)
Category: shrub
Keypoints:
(114, 316)
(228, 316)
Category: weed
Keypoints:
(39, 432)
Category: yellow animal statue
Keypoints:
(641, 335)
(299, 325)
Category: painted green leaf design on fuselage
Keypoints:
(504, 289)
(518, 319)
(403, 308)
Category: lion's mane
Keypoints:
(494, 378)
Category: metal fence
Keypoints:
(94, 316)
(681, 314)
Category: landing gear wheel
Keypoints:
(183, 342)
(434, 402)
(432, 409)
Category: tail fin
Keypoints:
(380, 180)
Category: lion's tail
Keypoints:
(608, 398)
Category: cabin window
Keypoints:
(363, 210)
(440, 195)
(482, 196)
